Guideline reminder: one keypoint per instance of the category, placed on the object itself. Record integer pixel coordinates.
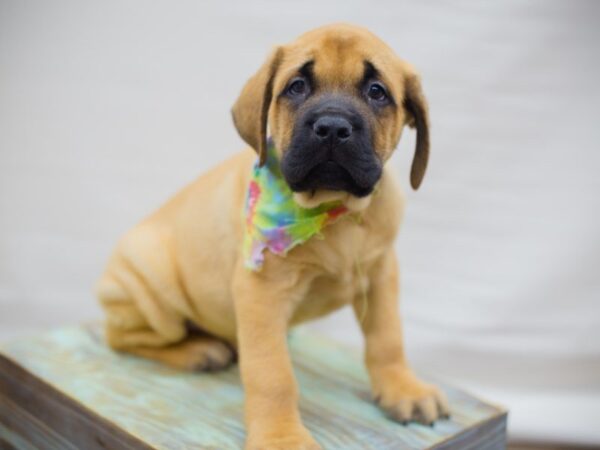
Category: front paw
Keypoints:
(406, 398)
(297, 438)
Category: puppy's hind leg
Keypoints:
(151, 332)
(203, 353)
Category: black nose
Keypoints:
(334, 129)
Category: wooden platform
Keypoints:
(66, 390)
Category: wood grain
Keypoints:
(69, 385)
(44, 417)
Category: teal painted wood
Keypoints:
(168, 409)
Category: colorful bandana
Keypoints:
(274, 220)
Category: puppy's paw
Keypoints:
(208, 355)
(405, 398)
(296, 438)
(286, 444)
(203, 353)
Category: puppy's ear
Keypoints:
(251, 110)
(418, 117)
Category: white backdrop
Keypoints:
(107, 108)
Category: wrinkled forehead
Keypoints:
(338, 60)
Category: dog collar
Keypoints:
(273, 220)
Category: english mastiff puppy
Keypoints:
(236, 254)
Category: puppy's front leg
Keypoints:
(395, 387)
(263, 309)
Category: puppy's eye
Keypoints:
(298, 87)
(377, 93)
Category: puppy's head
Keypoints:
(335, 101)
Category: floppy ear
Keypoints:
(416, 106)
(251, 110)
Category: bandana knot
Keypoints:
(273, 220)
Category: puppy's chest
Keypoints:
(350, 242)
(342, 260)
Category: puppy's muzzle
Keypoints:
(331, 149)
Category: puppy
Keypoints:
(335, 102)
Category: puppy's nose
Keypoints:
(334, 129)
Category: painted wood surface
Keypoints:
(167, 409)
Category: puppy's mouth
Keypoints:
(331, 175)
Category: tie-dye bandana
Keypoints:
(274, 221)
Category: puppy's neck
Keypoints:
(316, 198)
